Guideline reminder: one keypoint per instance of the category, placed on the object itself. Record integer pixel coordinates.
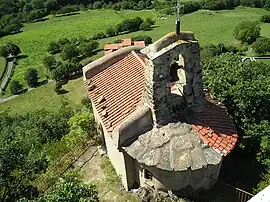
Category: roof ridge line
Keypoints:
(138, 58)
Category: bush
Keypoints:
(87, 49)
(191, 6)
(145, 26)
(265, 19)
(261, 45)
(63, 41)
(110, 31)
(58, 87)
(97, 5)
(99, 35)
(31, 77)
(9, 48)
(87, 103)
(68, 9)
(54, 47)
(247, 31)
(69, 51)
(49, 62)
(71, 188)
(146, 39)
(15, 87)
(252, 3)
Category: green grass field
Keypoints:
(208, 26)
(45, 97)
(2, 66)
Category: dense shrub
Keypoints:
(110, 31)
(54, 47)
(68, 9)
(261, 45)
(191, 6)
(15, 87)
(31, 77)
(99, 35)
(9, 48)
(49, 62)
(146, 39)
(265, 18)
(71, 188)
(247, 31)
(69, 51)
(87, 49)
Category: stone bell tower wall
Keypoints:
(157, 92)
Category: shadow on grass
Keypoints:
(68, 14)
(62, 92)
(22, 57)
(40, 20)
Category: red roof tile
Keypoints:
(114, 46)
(139, 43)
(121, 84)
(126, 42)
(215, 128)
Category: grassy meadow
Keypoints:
(45, 97)
(209, 27)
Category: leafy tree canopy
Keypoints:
(247, 31)
(31, 77)
(15, 87)
(261, 45)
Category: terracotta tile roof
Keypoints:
(139, 43)
(216, 128)
(117, 90)
(112, 46)
(126, 42)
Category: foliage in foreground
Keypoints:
(70, 188)
(244, 89)
(22, 153)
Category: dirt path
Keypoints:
(90, 162)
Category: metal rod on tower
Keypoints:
(178, 18)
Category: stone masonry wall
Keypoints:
(157, 94)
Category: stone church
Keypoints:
(160, 128)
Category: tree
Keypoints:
(71, 188)
(54, 47)
(97, 5)
(146, 39)
(31, 77)
(150, 21)
(24, 154)
(244, 89)
(265, 18)
(13, 49)
(58, 87)
(51, 5)
(141, 5)
(36, 14)
(110, 31)
(63, 41)
(261, 45)
(247, 31)
(87, 49)
(145, 26)
(49, 62)
(15, 87)
(69, 51)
